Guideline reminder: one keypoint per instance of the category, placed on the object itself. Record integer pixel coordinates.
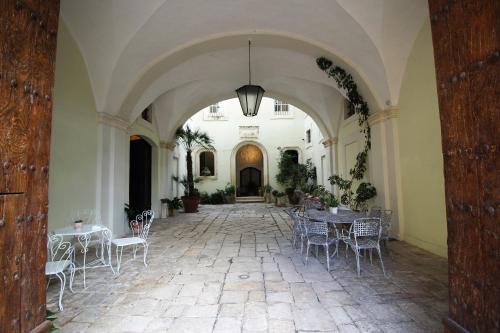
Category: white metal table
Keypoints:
(83, 236)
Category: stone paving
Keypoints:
(232, 268)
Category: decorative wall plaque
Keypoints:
(249, 132)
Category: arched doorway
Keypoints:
(140, 173)
(249, 170)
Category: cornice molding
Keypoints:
(330, 142)
(383, 115)
(112, 121)
(167, 145)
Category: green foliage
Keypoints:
(230, 189)
(279, 194)
(365, 192)
(357, 105)
(294, 175)
(185, 183)
(267, 188)
(51, 316)
(174, 203)
(216, 198)
(131, 212)
(330, 200)
(275, 192)
(191, 140)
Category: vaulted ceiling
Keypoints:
(194, 52)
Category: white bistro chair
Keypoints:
(60, 259)
(140, 230)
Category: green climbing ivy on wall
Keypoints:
(358, 105)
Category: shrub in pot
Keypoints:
(230, 194)
(281, 199)
(191, 140)
(173, 205)
(329, 200)
(268, 197)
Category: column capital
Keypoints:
(167, 145)
(389, 113)
(330, 142)
(112, 121)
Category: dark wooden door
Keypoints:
(466, 36)
(250, 182)
(28, 37)
(140, 174)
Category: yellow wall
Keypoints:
(73, 151)
(420, 151)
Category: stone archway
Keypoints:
(249, 168)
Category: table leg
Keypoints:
(84, 242)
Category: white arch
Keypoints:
(265, 160)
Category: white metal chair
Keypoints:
(317, 234)
(367, 232)
(60, 259)
(140, 230)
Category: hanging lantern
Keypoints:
(250, 95)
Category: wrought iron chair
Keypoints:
(140, 231)
(366, 232)
(317, 234)
(385, 216)
(60, 259)
(297, 227)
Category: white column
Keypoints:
(167, 162)
(384, 165)
(112, 172)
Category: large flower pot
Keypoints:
(190, 204)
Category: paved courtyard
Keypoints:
(232, 268)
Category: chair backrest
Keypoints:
(386, 217)
(59, 250)
(316, 228)
(367, 227)
(140, 226)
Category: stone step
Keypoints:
(249, 199)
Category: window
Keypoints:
(214, 112)
(347, 111)
(280, 107)
(207, 164)
(308, 136)
(147, 114)
(293, 154)
(214, 108)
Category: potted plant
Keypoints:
(329, 200)
(275, 196)
(173, 205)
(131, 213)
(268, 198)
(78, 225)
(229, 194)
(191, 140)
(294, 176)
(364, 192)
(281, 199)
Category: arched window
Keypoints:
(294, 154)
(207, 164)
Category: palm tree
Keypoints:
(191, 140)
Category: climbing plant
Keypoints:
(358, 105)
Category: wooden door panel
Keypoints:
(466, 36)
(11, 233)
(27, 65)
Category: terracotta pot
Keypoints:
(172, 212)
(190, 204)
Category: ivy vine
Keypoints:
(358, 105)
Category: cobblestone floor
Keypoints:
(232, 268)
